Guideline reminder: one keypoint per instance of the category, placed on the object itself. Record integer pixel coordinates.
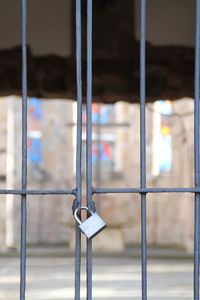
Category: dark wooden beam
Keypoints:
(170, 69)
(170, 74)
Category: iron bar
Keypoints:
(89, 141)
(24, 153)
(102, 191)
(143, 146)
(38, 192)
(78, 146)
(197, 153)
(79, 100)
(144, 190)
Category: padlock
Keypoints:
(93, 225)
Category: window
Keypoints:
(162, 137)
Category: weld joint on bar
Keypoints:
(76, 204)
(93, 191)
(143, 192)
(74, 192)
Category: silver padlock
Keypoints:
(93, 225)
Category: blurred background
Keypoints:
(116, 163)
(115, 144)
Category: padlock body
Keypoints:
(92, 226)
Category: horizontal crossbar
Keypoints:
(144, 190)
(101, 191)
(37, 192)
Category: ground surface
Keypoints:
(51, 278)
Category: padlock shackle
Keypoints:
(79, 209)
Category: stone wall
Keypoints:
(169, 216)
(3, 148)
(47, 215)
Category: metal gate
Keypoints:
(77, 192)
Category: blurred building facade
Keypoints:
(116, 163)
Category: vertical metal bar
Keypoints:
(77, 264)
(143, 146)
(89, 141)
(78, 145)
(24, 153)
(196, 153)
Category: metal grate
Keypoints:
(77, 192)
